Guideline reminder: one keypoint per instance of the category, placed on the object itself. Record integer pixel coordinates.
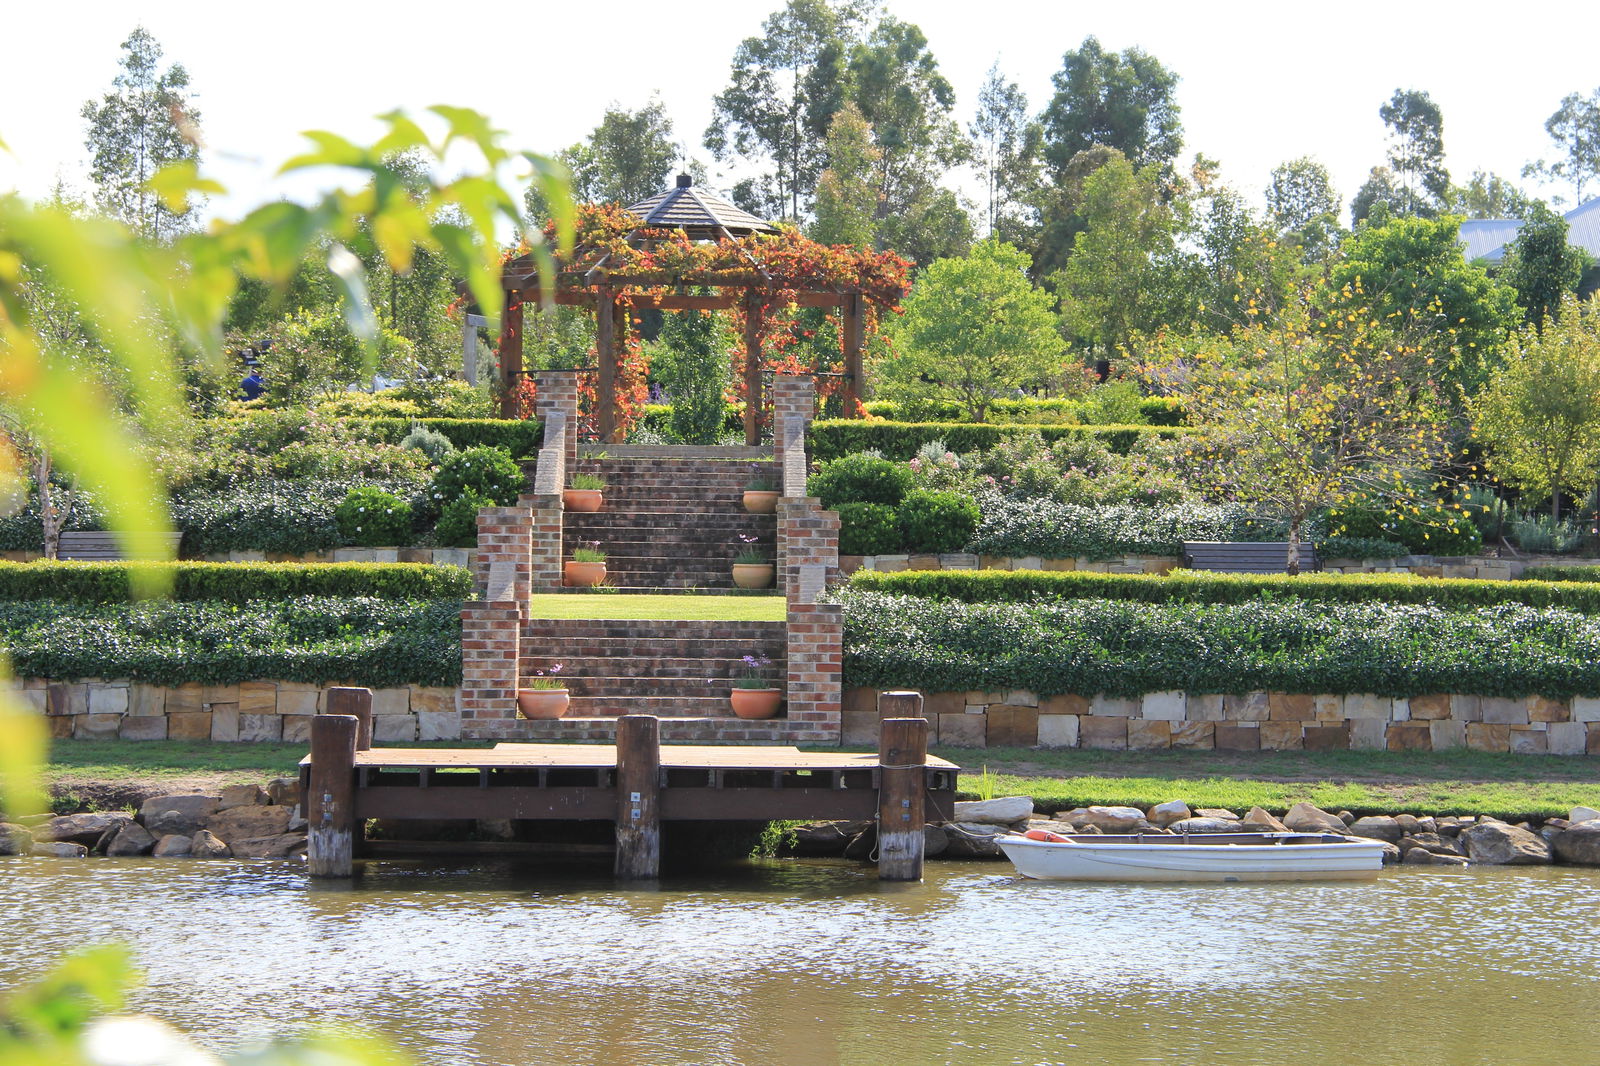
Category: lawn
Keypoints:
(688, 607)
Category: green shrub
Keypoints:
(1053, 530)
(1154, 410)
(233, 582)
(429, 442)
(1432, 531)
(458, 521)
(266, 430)
(1562, 573)
(314, 639)
(1031, 586)
(868, 529)
(289, 517)
(1278, 645)
(860, 479)
(937, 521)
(1360, 548)
(370, 518)
(489, 472)
(900, 440)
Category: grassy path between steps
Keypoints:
(689, 607)
(110, 774)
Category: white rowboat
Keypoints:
(1193, 857)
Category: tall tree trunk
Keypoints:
(1293, 566)
(1555, 505)
(51, 516)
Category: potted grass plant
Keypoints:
(586, 568)
(543, 696)
(761, 494)
(584, 492)
(754, 694)
(751, 568)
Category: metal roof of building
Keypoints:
(1486, 239)
(698, 212)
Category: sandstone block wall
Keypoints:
(1486, 568)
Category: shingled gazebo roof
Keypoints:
(702, 215)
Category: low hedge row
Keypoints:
(1156, 410)
(1052, 530)
(833, 438)
(1561, 573)
(1044, 586)
(521, 437)
(292, 517)
(1284, 645)
(315, 639)
(232, 582)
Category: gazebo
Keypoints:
(686, 237)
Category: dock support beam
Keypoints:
(638, 809)
(356, 702)
(902, 758)
(330, 811)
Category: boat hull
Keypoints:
(1134, 860)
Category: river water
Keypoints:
(816, 962)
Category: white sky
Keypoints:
(1262, 82)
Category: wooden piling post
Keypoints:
(356, 702)
(330, 811)
(638, 812)
(902, 758)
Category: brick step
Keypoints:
(726, 524)
(714, 628)
(675, 452)
(615, 688)
(709, 706)
(684, 730)
(661, 667)
(620, 568)
(640, 543)
(569, 648)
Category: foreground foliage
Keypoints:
(233, 582)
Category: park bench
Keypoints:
(1246, 557)
(94, 546)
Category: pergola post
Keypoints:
(853, 329)
(752, 368)
(510, 353)
(605, 400)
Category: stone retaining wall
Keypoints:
(248, 711)
(1485, 567)
(1255, 721)
(434, 556)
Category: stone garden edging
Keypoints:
(1484, 567)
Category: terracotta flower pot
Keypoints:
(752, 575)
(542, 704)
(760, 501)
(755, 703)
(582, 499)
(582, 575)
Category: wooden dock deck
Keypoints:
(637, 784)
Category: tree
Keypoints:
(1306, 412)
(694, 370)
(1489, 195)
(786, 86)
(628, 157)
(1242, 269)
(1303, 206)
(1540, 265)
(1418, 281)
(1120, 100)
(1006, 144)
(1540, 413)
(1416, 150)
(975, 329)
(1575, 127)
(1120, 276)
(847, 194)
(144, 123)
(1380, 198)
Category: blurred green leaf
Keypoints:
(176, 181)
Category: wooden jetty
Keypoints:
(636, 784)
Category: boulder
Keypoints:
(1426, 823)
(488, 828)
(1206, 825)
(1424, 857)
(1164, 814)
(935, 841)
(85, 829)
(825, 838)
(284, 791)
(1378, 827)
(1262, 822)
(242, 796)
(1305, 818)
(278, 846)
(973, 840)
(59, 849)
(177, 815)
(174, 847)
(1346, 817)
(1449, 825)
(249, 823)
(1001, 811)
(1112, 819)
(1498, 844)
(207, 846)
(1583, 814)
(132, 839)
(1411, 825)
(1579, 843)
(1215, 812)
(14, 839)
(1050, 825)
(1391, 852)
(1434, 842)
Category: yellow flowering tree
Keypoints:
(1539, 415)
(1308, 411)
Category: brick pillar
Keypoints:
(794, 404)
(502, 565)
(814, 635)
(490, 652)
(557, 390)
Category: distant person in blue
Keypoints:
(252, 386)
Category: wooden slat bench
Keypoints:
(1244, 557)
(90, 546)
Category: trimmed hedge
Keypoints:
(1360, 548)
(233, 582)
(835, 438)
(1280, 645)
(1048, 586)
(1561, 573)
(1054, 530)
(521, 437)
(314, 639)
(292, 517)
(1156, 410)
